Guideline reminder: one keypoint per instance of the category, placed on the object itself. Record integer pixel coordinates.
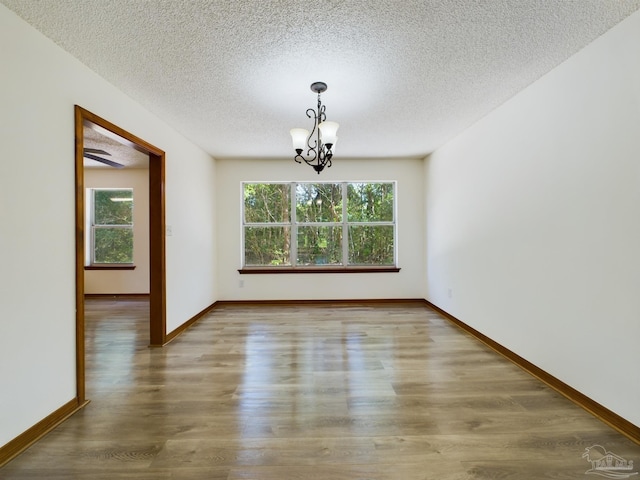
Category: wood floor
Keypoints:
(354, 392)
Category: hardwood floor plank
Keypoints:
(412, 471)
(331, 392)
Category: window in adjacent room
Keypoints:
(111, 226)
(319, 224)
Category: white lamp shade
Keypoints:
(328, 132)
(299, 137)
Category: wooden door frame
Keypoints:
(157, 247)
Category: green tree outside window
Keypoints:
(112, 226)
(304, 224)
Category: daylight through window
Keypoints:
(316, 224)
(111, 213)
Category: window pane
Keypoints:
(113, 245)
(267, 246)
(267, 203)
(318, 202)
(371, 245)
(319, 245)
(370, 202)
(113, 207)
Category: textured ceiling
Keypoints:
(404, 75)
(118, 152)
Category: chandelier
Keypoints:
(319, 149)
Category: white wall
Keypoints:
(533, 223)
(191, 248)
(39, 86)
(408, 283)
(124, 281)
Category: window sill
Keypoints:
(281, 270)
(109, 267)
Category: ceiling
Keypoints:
(119, 152)
(404, 76)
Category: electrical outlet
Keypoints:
(241, 283)
(168, 230)
(450, 293)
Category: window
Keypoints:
(319, 224)
(111, 221)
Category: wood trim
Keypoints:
(111, 130)
(369, 301)
(157, 247)
(110, 267)
(296, 270)
(132, 296)
(612, 419)
(178, 331)
(23, 441)
(157, 251)
(80, 253)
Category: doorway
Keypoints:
(157, 277)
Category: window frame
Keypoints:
(92, 227)
(293, 224)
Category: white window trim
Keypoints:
(91, 227)
(294, 224)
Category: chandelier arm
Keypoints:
(311, 113)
